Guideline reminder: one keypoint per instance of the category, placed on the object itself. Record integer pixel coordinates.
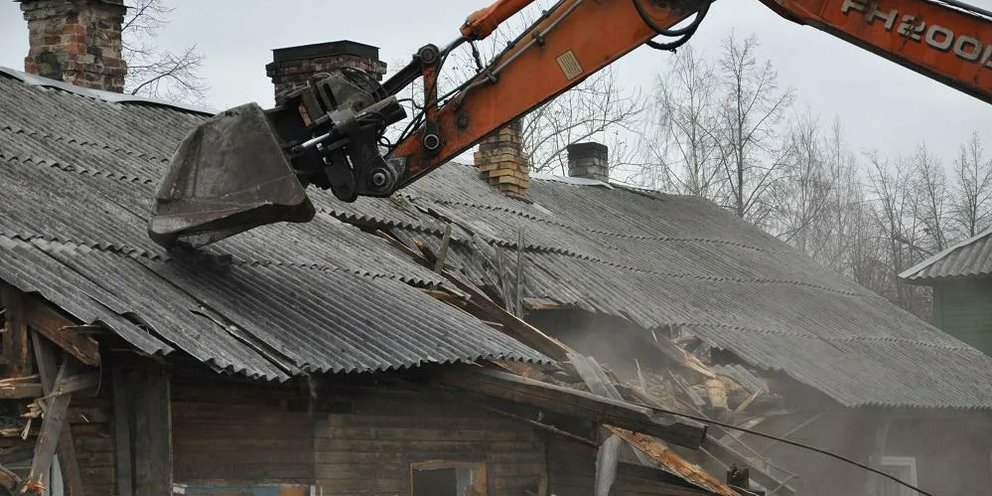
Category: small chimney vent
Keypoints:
(589, 161)
(76, 41)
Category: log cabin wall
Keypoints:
(356, 441)
(91, 424)
(372, 448)
(236, 434)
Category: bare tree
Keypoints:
(972, 198)
(934, 199)
(752, 107)
(842, 231)
(597, 109)
(152, 71)
(682, 147)
(801, 196)
(895, 210)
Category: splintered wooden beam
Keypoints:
(20, 387)
(513, 326)
(43, 318)
(51, 430)
(575, 403)
(45, 357)
(673, 461)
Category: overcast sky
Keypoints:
(880, 104)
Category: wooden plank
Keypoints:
(153, 433)
(45, 358)
(599, 383)
(51, 429)
(574, 403)
(45, 319)
(443, 252)
(20, 390)
(16, 342)
(512, 325)
(668, 458)
(123, 417)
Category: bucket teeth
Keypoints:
(227, 176)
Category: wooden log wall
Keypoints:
(91, 423)
(369, 450)
(239, 434)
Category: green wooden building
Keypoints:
(961, 277)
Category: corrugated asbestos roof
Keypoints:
(77, 175)
(968, 259)
(688, 267)
(673, 263)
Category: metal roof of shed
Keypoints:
(971, 258)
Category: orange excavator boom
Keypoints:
(948, 40)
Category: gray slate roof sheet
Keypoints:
(77, 176)
(971, 258)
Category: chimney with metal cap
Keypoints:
(76, 41)
(292, 67)
(589, 161)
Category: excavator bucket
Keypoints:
(228, 175)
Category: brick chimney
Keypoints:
(76, 41)
(589, 161)
(291, 67)
(502, 163)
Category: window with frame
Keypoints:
(448, 478)
(902, 468)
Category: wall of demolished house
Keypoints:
(950, 450)
(348, 440)
(353, 436)
(368, 441)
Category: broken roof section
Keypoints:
(970, 258)
(683, 266)
(78, 177)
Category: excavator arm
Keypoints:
(248, 166)
(569, 43)
(947, 40)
